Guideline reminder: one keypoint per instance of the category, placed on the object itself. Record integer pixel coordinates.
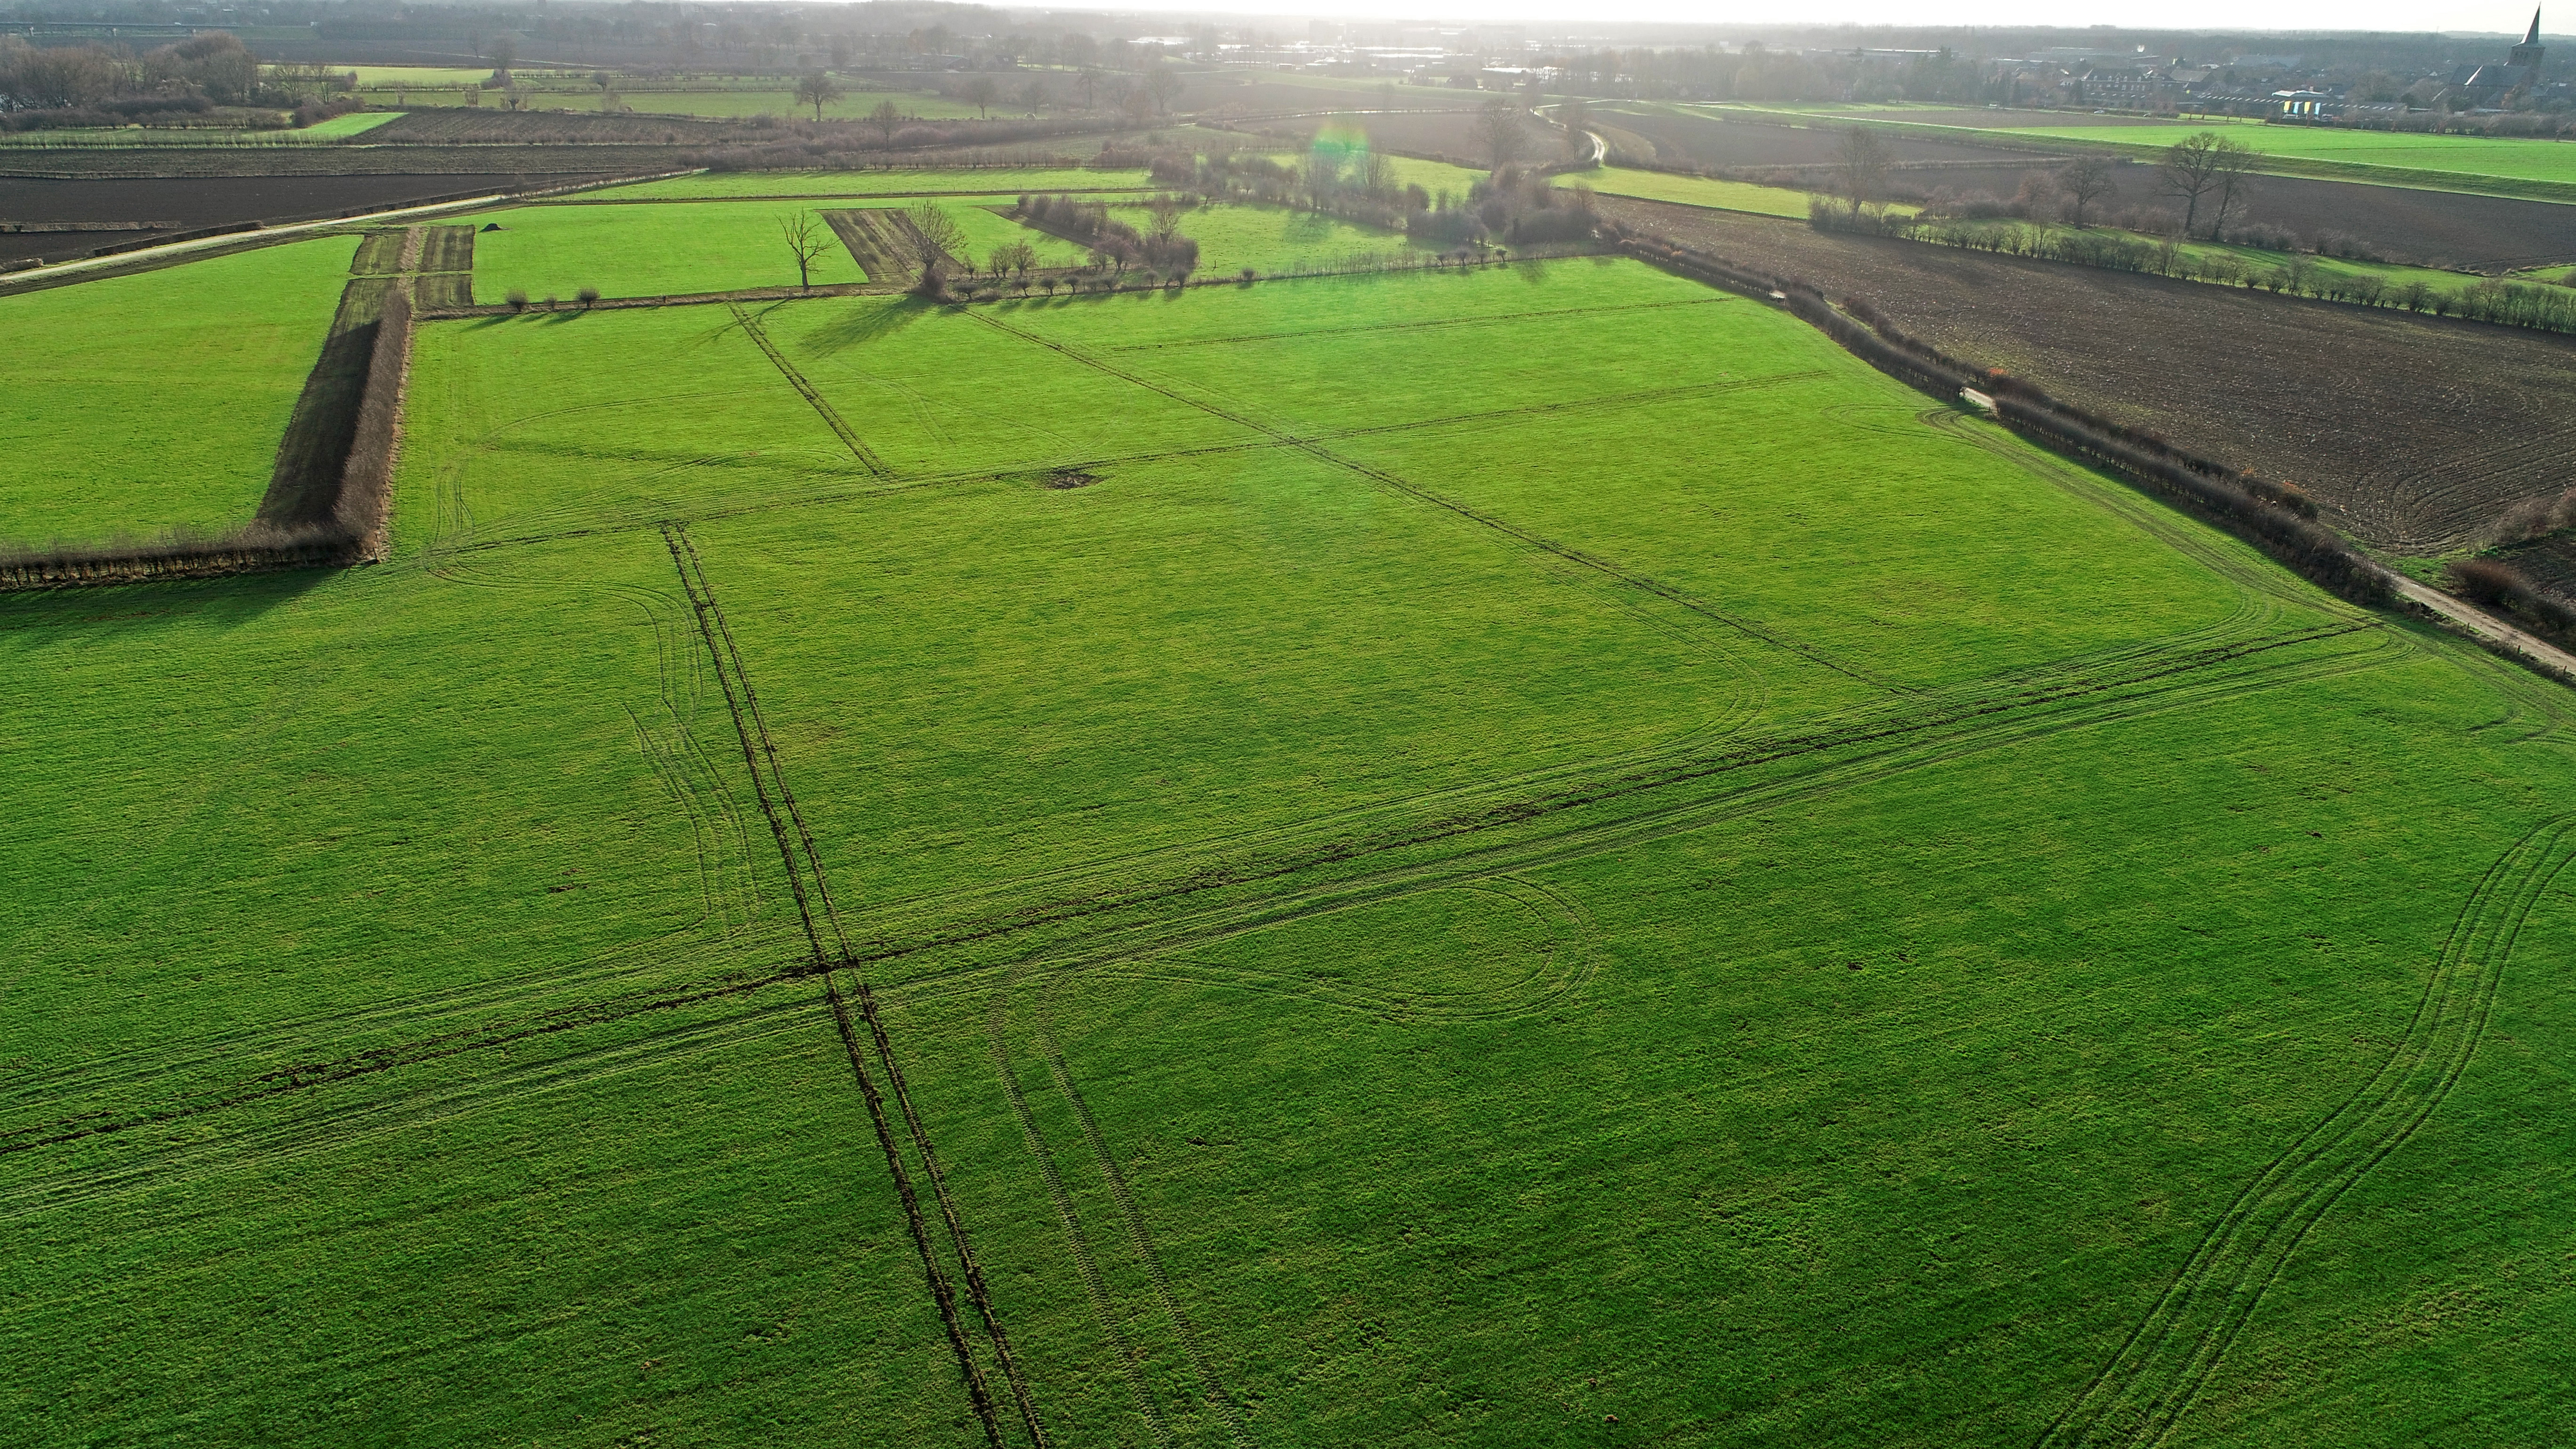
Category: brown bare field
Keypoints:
(102, 163)
(451, 126)
(2436, 227)
(1254, 96)
(175, 205)
(1688, 140)
(2414, 433)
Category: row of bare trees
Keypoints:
(1152, 95)
(215, 66)
(2210, 174)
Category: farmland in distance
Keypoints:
(1514, 854)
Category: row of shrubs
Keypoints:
(2276, 517)
(1164, 251)
(2508, 590)
(2043, 203)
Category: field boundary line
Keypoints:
(702, 603)
(1722, 299)
(757, 748)
(1526, 536)
(1094, 1287)
(858, 200)
(823, 409)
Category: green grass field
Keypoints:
(1527, 856)
(2389, 153)
(155, 401)
(1691, 190)
(643, 251)
(1279, 239)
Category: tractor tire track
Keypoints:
(756, 745)
(1481, 321)
(2159, 1371)
(822, 409)
(1559, 811)
(1527, 537)
(1290, 889)
(1141, 1242)
(758, 749)
(1094, 1287)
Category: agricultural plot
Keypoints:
(2503, 158)
(1521, 856)
(2410, 469)
(1690, 190)
(140, 404)
(642, 251)
(732, 105)
(1434, 176)
(323, 132)
(998, 180)
(1281, 239)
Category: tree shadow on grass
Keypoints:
(868, 319)
(40, 619)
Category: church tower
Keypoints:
(2529, 52)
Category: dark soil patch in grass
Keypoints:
(1068, 478)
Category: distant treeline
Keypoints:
(1163, 249)
(1514, 204)
(855, 145)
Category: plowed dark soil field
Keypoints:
(2443, 228)
(2414, 432)
(455, 125)
(177, 204)
(1690, 140)
(183, 162)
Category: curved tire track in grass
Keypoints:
(2155, 1378)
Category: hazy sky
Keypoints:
(2414, 15)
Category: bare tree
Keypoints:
(1865, 159)
(981, 92)
(935, 235)
(817, 89)
(886, 118)
(1165, 87)
(1089, 80)
(2203, 163)
(1033, 95)
(1165, 208)
(1498, 132)
(2235, 184)
(809, 239)
(2085, 180)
